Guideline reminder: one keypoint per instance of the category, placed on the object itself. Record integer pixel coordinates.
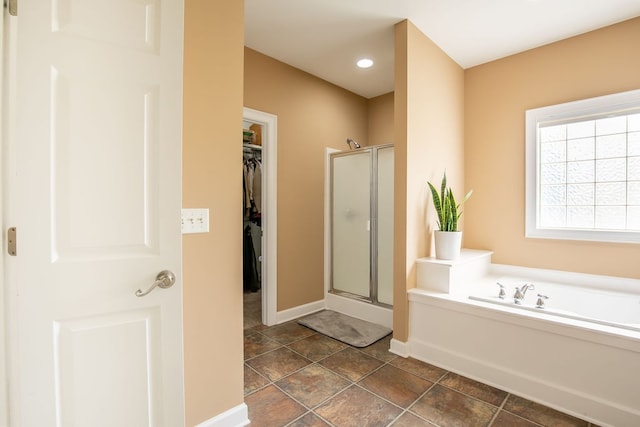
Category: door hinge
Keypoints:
(12, 5)
(12, 241)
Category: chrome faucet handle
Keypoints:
(541, 300)
(501, 293)
(518, 296)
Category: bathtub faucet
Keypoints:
(501, 293)
(541, 299)
(521, 292)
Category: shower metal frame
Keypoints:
(373, 227)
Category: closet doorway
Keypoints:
(266, 247)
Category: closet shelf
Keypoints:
(253, 146)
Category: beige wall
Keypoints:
(312, 115)
(380, 119)
(429, 132)
(212, 266)
(497, 94)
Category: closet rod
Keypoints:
(252, 147)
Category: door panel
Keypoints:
(384, 235)
(350, 248)
(118, 164)
(96, 199)
(137, 21)
(85, 384)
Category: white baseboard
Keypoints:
(549, 394)
(299, 311)
(400, 348)
(365, 311)
(234, 417)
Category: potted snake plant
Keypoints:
(447, 238)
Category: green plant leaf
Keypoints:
(448, 211)
(466, 197)
(445, 212)
(453, 207)
(443, 186)
(437, 204)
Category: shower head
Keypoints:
(355, 144)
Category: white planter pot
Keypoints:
(448, 244)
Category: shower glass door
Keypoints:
(351, 223)
(384, 225)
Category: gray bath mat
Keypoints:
(356, 332)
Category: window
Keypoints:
(583, 169)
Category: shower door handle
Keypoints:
(165, 279)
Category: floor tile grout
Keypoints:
(499, 409)
(351, 383)
(375, 353)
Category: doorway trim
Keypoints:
(269, 245)
(8, 36)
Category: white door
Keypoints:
(94, 189)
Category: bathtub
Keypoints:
(580, 354)
(610, 308)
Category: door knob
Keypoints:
(165, 279)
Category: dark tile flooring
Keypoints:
(296, 377)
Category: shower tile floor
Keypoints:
(296, 377)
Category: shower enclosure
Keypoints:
(361, 199)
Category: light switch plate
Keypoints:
(195, 221)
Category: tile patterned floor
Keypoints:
(296, 377)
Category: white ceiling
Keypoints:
(326, 37)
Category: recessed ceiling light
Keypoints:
(364, 63)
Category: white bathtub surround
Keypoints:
(452, 276)
(578, 366)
